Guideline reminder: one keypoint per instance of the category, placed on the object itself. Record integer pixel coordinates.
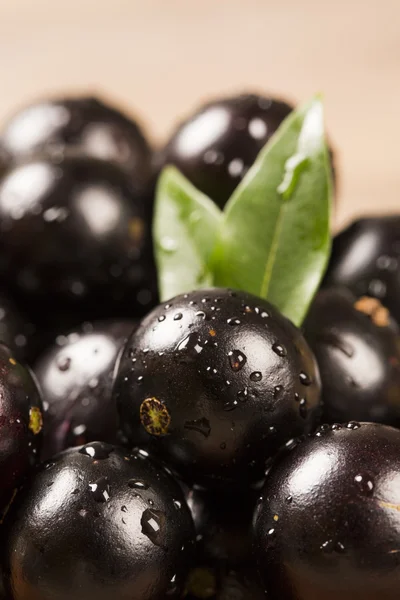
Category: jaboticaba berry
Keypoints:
(215, 147)
(366, 259)
(21, 422)
(75, 375)
(99, 522)
(83, 126)
(77, 233)
(328, 523)
(215, 382)
(356, 344)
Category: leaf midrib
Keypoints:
(269, 267)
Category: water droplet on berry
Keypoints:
(233, 322)
(243, 394)
(365, 484)
(279, 350)
(138, 484)
(237, 360)
(189, 348)
(303, 408)
(97, 450)
(327, 546)
(256, 376)
(339, 548)
(64, 363)
(100, 489)
(305, 379)
(228, 406)
(153, 525)
(172, 587)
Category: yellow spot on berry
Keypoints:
(154, 416)
(12, 361)
(374, 309)
(276, 518)
(35, 420)
(389, 505)
(213, 333)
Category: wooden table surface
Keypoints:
(160, 58)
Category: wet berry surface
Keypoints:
(108, 534)
(21, 422)
(366, 258)
(83, 126)
(76, 378)
(204, 448)
(327, 525)
(356, 344)
(75, 234)
(224, 386)
(216, 146)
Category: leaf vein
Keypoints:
(269, 267)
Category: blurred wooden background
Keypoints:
(160, 58)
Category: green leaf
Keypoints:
(185, 229)
(274, 239)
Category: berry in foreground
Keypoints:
(74, 234)
(97, 522)
(21, 423)
(84, 126)
(214, 382)
(215, 147)
(357, 347)
(76, 378)
(366, 259)
(328, 524)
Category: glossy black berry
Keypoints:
(83, 126)
(76, 378)
(366, 259)
(328, 525)
(21, 422)
(217, 391)
(76, 233)
(215, 147)
(99, 523)
(357, 347)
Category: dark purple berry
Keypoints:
(186, 388)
